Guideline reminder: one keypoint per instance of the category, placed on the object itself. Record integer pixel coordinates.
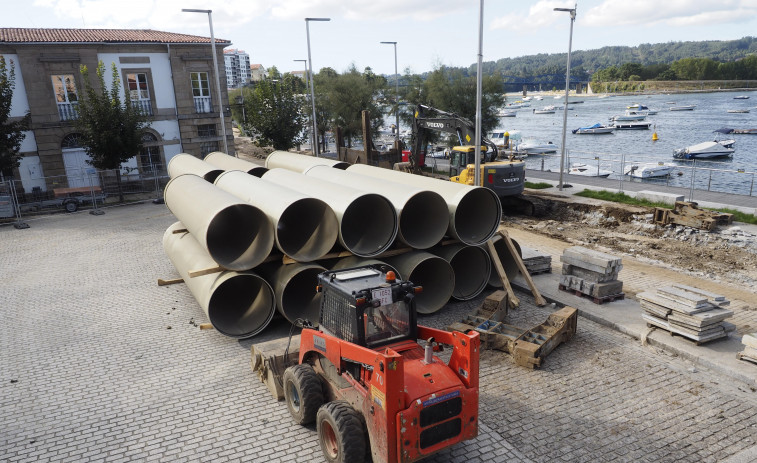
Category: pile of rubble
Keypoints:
(591, 273)
(693, 313)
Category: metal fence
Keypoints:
(94, 191)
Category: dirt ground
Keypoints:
(727, 255)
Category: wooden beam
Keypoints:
(522, 267)
(206, 271)
(206, 326)
(513, 300)
(170, 281)
(180, 230)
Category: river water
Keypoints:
(675, 129)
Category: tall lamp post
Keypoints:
(307, 84)
(215, 68)
(312, 87)
(479, 80)
(397, 88)
(572, 12)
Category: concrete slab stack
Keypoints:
(591, 273)
(691, 312)
(750, 347)
(536, 261)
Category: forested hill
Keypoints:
(587, 61)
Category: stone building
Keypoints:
(169, 75)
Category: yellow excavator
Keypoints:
(505, 177)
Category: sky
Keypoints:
(428, 33)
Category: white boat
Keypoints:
(741, 97)
(534, 147)
(630, 115)
(545, 110)
(631, 125)
(738, 111)
(687, 107)
(587, 170)
(649, 169)
(706, 150)
(504, 113)
(595, 129)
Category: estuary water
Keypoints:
(675, 129)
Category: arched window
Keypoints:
(71, 141)
(150, 158)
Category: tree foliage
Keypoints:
(11, 131)
(110, 130)
(275, 111)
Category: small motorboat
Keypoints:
(631, 115)
(687, 107)
(588, 171)
(706, 150)
(545, 110)
(595, 129)
(738, 111)
(741, 97)
(649, 169)
(631, 125)
(726, 131)
(534, 147)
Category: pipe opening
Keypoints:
(299, 299)
(212, 175)
(472, 268)
(369, 225)
(477, 216)
(257, 171)
(241, 306)
(438, 280)
(424, 220)
(307, 229)
(239, 237)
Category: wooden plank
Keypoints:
(522, 267)
(206, 271)
(170, 281)
(180, 230)
(514, 301)
(206, 326)
(286, 260)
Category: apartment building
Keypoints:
(169, 75)
(237, 68)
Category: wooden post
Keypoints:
(340, 153)
(367, 140)
(522, 267)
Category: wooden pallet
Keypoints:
(596, 300)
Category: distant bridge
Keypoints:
(539, 82)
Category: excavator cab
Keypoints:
(462, 156)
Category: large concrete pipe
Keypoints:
(432, 272)
(226, 162)
(305, 228)
(300, 162)
(354, 261)
(471, 265)
(237, 235)
(238, 304)
(506, 258)
(367, 221)
(184, 163)
(422, 214)
(295, 289)
(474, 212)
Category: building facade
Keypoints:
(257, 72)
(237, 68)
(170, 76)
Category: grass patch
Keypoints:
(538, 186)
(738, 216)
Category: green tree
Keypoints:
(111, 131)
(274, 111)
(11, 131)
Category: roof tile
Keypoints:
(25, 35)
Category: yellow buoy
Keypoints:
(654, 135)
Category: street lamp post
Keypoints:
(479, 80)
(307, 85)
(215, 68)
(572, 12)
(397, 88)
(312, 87)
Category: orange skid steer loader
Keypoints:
(373, 391)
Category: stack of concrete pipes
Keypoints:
(233, 213)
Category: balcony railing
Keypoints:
(202, 104)
(145, 106)
(67, 111)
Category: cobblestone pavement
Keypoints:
(98, 363)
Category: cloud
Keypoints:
(385, 10)
(671, 12)
(539, 16)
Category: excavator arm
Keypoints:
(427, 119)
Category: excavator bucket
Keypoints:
(271, 358)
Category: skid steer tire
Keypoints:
(341, 433)
(303, 393)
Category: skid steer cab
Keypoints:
(372, 390)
